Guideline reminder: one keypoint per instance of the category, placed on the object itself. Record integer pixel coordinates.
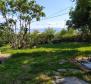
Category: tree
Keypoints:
(23, 11)
(80, 16)
(62, 33)
(5, 36)
(35, 38)
(49, 32)
(65, 35)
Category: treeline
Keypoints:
(51, 36)
(35, 38)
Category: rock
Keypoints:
(61, 70)
(62, 61)
(50, 63)
(74, 70)
(34, 46)
(57, 77)
(56, 73)
(87, 65)
(59, 81)
(70, 80)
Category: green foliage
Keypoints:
(5, 34)
(49, 33)
(34, 38)
(37, 37)
(80, 16)
(65, 34)
(71, 32)
(22, 12)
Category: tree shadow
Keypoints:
(33, 64)
(28, 66)
(68, 45)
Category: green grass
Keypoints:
(36, 66)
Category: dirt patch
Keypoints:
(3, 57)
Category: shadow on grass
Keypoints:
(68, 45)
(27, 67)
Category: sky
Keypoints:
(55, 13)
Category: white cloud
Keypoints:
(58, 24)
(45, 24)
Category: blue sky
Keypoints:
(53, 8)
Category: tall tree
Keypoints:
(81, 16)
(23, 11)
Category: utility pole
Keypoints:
(64, 23)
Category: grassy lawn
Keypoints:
(37, 66)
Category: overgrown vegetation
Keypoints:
(80, 18)
(19, 14)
